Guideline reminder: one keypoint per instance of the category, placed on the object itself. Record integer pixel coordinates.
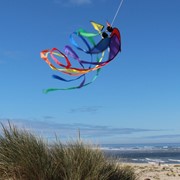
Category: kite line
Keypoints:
(119, 7)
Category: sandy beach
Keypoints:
(155, 171)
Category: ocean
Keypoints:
(144, 153)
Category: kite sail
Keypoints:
(109, 44)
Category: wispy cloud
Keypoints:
(86, 109)
(48, 117)
(73, 2)
(2, 62)
(80, 2)
(165, 136)
(10, 54)
(49, 128)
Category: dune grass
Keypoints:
(24, 156)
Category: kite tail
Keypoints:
(70, 88)
(82, 84)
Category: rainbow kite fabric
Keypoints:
(110, 43)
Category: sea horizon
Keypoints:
(163, 153)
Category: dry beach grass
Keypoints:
(24, 156)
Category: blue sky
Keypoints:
(136, 98)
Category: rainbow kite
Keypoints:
(110, 44)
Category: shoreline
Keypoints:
(156, 171)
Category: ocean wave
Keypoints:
(174, 160)
(155, 160)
